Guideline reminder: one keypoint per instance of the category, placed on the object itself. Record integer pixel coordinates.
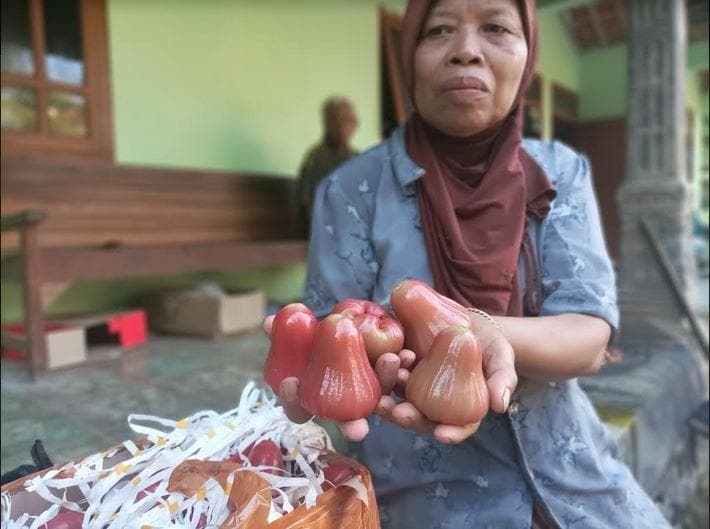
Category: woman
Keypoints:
(506, 226)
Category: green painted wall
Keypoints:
(237, 85)
(558, 60)
(281, 284)
(394, 6)
(603, 76)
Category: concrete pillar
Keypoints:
(655, 186)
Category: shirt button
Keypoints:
(513, 408)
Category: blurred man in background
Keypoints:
(340, 123)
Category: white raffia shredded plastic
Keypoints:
(111, 492)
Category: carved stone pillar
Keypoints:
(655, 185)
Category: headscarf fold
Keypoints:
(478, 192)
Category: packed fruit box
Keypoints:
(247, 468)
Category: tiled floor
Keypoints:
(83, 409)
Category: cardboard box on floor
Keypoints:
(66, 344)
(69, 339)
(206, 314)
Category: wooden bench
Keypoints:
(67, 221)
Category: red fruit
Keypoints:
(292, 335)
(357, 307)
(448, 385)
(381, 335)
(236, 458)
(335, 474)
(65, 520)
(265, 453)
(351, 307)
(339, 383)
(424, 313)
(143, 493)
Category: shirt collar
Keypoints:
(406, 171)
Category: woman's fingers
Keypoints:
(407, 416)
(406, 361)
(354, 430)
(404, 415)
(288, 396)
(450, 434)
(385, 407)
(402, 377)
(267, 324)
(407, 358)
(387, 368)
(501, 378)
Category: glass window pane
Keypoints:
(64, 60)
(16, 40)
(66, 114)
(19, 108)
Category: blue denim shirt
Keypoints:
(550, 447)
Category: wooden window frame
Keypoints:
(98, 143)
(703, 81)
(537, 104)
(560, 114)
(391, 29)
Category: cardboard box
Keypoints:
(66, 345)
(125, 329)
(70, 339)
(206, 314)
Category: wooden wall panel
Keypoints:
(604, 143)
(94, 204)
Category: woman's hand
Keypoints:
(391, 370)
(501, 379)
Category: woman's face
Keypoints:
(468, 64)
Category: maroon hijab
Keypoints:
(478, 192)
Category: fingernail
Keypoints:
(288, 391)
(447, 440)
(506, 398)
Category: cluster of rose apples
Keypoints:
(334, 357)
